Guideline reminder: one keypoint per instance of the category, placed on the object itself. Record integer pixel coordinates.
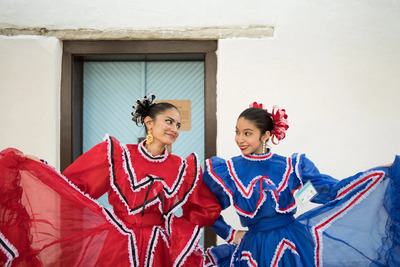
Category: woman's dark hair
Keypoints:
(261, 118)
(159, 108)
(145, 107)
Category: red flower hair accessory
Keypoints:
(280, 124)
(279, 117)
(257, 105)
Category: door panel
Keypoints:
(182, 80)
(77, 53)
(111, 88)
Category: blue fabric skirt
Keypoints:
(360, 227)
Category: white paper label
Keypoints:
(305, 193)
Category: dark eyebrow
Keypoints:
(173, 120)
(247, 129)
(170, 118)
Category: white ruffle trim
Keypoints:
(289, 170)
(280, 250)
(6, 251)
(245, 191)
(212, 257)
(151, 246)
(325, 223)
(112, 174)
(150, 157)
(246, 255)
(191, 245)
(195, 184)
(258, 157)
(231, 236)
(106, 216)
(121, 227)
(169, 191)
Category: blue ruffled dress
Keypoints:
(357, 225)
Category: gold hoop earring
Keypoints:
(169, 149)
(149, 137)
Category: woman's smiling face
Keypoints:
(165, 127)
(248, 137)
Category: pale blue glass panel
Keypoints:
(111, 88)
(182, 81)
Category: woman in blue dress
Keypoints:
(357, 225)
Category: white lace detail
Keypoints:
(111, 171)
(246, 255)
(121, 227)
(231, 236)
(325, 223)
(135, 187)
(150, 157)
(228, 192)
(196, 181)
(150, 247)
(258, 157)
(190, 247)
(246, 192)
(297, 168)
(6, 248)
(280, 250)
(107, 216)
(289, 170)
(212, 257)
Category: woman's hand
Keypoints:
(387, 165)
(30, 157)
(239, 236)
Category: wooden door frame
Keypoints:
(72, 88)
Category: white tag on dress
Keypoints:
(305, 193)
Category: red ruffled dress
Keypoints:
(51, 219)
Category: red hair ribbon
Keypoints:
(281, 124)
(256, 105)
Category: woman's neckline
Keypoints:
(149, 156)
(258, 157)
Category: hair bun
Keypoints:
(279, 119)
(141, 108)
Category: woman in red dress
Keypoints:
(47, 218)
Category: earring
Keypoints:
(169, 149)
(264, 146)
(149, 137)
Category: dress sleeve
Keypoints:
(202, 207)
(224, 230)
(217, 178)
(325, 185)
(90, 172)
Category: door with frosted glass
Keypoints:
(111, 88)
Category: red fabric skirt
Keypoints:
(46, 221)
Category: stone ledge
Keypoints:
(206, 33)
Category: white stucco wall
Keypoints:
(339, 84)
(30, 72)
(333, 65)
(335, 69)
(136, 14)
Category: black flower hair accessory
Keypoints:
(141, 108)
